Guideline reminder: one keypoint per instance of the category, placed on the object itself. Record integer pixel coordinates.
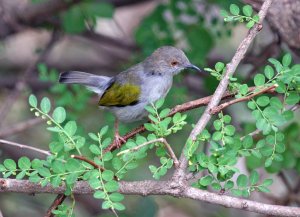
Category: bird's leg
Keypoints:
(118, 139)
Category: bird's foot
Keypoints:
(119, 140)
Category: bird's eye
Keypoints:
(174, 63)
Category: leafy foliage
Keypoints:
(241, 15)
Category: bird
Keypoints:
(128, 93)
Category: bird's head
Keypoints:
(168, 60)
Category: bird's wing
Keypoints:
(120, 94)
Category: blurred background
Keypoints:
(41, 38)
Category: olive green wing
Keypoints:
(120, 95)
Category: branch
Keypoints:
(145, 188)
(58, 201)
(217, 109)
(25, 147)
(82, 158)
(230, 69)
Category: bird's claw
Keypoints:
(119, 140)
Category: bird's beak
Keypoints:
(191, 66)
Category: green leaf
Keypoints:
(243, 89)
(71, 127)
(36, 163)
(206, 180)
(234, 9)
(21, 175)
(94, 183)
(287, 59)
(288, 115)
(73, 20)
(251, 105)
(223, 13)
(250, 24)
(103, 130)
(95, 149)
(106, 204)
(254, 177)
(2, 168)
(269, 72)
(32, 100)
(256, 18)
(111, 186)
(247, 10)
(119, 206)
(217, 124)
(237, 192)
(227, 119)
(116, 197)
(108, 175)
(10, 164)
(56, 181)
(107, 156)
(219, 66)
(71, 178)
(116, 163)
(72, 165)
(93, 137)
(59, 114)
(45, 105)
(99, 195)
(44, 172)
(263, 189)
(229, 184)
(229, 130)
(216, 186)
(259, 80)
(276, 63)
(267, 182)
(164, 113)
(24, 163)
(263, 101)
(242, 181)
(276, 103)
(99, 9)
(58, 167)
(292, 99)
(34, 179)
(159, 103)
(268, 162)
(217, 136)
(247, 142)
(256, 153)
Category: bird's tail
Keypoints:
(95, 83)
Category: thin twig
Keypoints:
(161, 140)
(230, 69)
(217, 109)
(58, 201)
(82, 158)
(2, 141)
(96, 166)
